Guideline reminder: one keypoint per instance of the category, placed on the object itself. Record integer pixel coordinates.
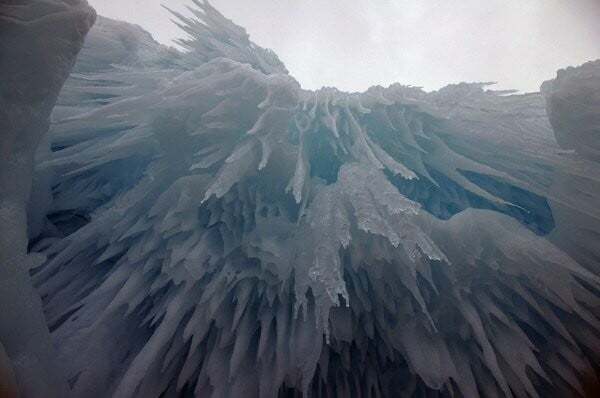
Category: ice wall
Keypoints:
(216, 230)
(39, 41)
(573, 104)
(574, 108)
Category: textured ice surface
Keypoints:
(215, 230)
(573, 103)
(39, 41)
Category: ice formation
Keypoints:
(39, 41)
(217, 231)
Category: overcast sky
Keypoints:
(353, 44)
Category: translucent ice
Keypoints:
(216, 230)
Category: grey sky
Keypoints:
(354, 44)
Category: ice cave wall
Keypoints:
(218, 231)
(39, 41)
(573, 105)
(215, 230)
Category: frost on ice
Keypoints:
(217, 231)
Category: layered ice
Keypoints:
(217, 231)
